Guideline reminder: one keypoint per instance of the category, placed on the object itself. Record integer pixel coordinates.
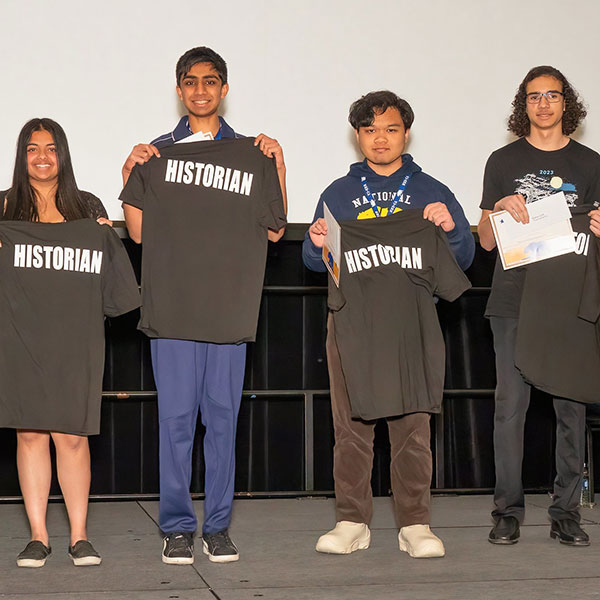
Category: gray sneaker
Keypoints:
(34, 555)
(219, 547)
(82, 554)
(178, 548)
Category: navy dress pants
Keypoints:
(192, 376)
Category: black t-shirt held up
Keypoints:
(57, 281)
(558, 348)
(207, 208)
(520, 168)
(386, 325)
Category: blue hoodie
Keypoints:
(346, 200)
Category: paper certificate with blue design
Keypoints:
(548, 233)
(332, 246)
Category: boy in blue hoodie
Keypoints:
(387, 181)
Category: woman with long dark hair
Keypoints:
(44, 190)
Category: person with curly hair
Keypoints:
(543, 161)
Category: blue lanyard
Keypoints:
(394, 203)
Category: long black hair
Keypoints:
(21, 202)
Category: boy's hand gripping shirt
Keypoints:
(387, 330)
(207, 208)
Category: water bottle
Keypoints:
(586, 497)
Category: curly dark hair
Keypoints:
(363, 110)
(575, 112)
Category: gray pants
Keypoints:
(512, 402)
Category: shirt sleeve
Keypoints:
(311, 254)
(120, 292)
(592, 194)
(462, 242)
(589, 306)
(449, 280)
(94, 205)
(492, 184)
(272, 214)
(134, 191)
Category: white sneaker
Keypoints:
(345, 538)
(420, 542)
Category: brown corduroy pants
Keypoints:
(411, 463)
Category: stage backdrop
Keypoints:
(105, 71)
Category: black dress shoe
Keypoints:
(568, 531)
(505, 531)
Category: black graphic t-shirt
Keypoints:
(520, 168)
(386, 325)
(57, 281)
(207, 208)
(557, 338)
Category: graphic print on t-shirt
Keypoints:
(545, 183)
(519, 167)
(380, 198)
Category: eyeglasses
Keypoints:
(552, 96)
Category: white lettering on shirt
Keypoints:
(381, 197)
(171, 170)
(57, 258)
(208, 175)
(377, 255)
(246, 183)
(19, 255)
(188, 172)
(582, 243)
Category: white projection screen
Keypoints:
(105, 72)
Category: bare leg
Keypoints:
(73, 470)
(35, 471)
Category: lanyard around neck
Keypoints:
(397, 198)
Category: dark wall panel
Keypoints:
(287, 360)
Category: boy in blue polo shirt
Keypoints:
(180, 364)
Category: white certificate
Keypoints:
(332, 245)
(199, 136)
(548, 233)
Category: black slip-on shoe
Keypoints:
(569, 532)
(506, 531)
(34, 554)
(83, 554)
